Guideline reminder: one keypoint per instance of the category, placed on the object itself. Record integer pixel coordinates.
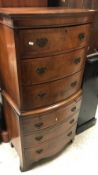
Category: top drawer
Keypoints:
(45, 42)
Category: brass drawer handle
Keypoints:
(82, 36)
(69, 134)
(73, 109)
(77, 60)
(73, 84)
(41, 70)
(39, 138)
(71, 121)
(39, 151)
(42, 95)
(39, 125)
(42, 42)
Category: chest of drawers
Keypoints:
(42, 60)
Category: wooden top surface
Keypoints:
(42, 11)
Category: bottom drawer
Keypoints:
(51, 147)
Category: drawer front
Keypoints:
(38, 137)
(53, 118)
(50, 148)
(50, 93)
(45, 42)
(40, 70)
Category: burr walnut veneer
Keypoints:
(42, 59)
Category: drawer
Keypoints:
(42, 95)
(38, 137)
(34, 71)
(51, 147)
(45, 42)
(49, 119)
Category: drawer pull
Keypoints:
(39, 151)
(73, 84)
(82, 36)
(73, 109)
(42, 95)
(39, 125)
(69, 134)
(77, 60)
(41, 70)
(71, 121)
(41, 42)
(39, 138)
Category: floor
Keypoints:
(79, 158)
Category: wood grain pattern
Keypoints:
(34, 139)
(75, 3)
(35, 43)
(23, 3)
(14, 130)
(42, 95)
(17, 132)
(16, 12)
(49, 119)
(88, 4)
(84, 4)
(8, 62)
(50, 148)
(48, 106)
(39, 111)
(28, 18)
(34, 71)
